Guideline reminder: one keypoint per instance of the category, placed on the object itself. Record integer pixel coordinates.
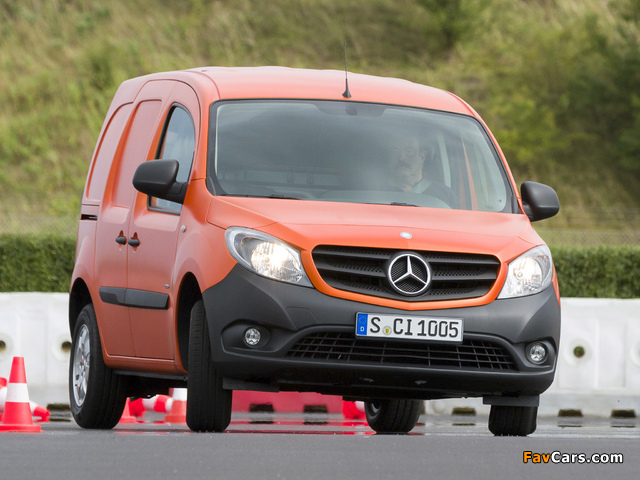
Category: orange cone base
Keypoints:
(20, 428)
(17, 410)
(127, 419)
(17, 418)
(126, 415)
(178, 412)
(178, 418)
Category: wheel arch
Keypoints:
(79, 297)
(188, 295)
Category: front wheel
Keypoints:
(208, 404)
(392, 416)
(505, 420)
(97, 394)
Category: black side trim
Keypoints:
(115, 296)
(163, 376)
(127, 297)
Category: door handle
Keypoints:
(121, 239)
(134, 242)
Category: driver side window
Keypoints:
(177, 143)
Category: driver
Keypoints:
(405, 164)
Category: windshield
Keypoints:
(355, 152)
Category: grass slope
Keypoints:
(541, 73)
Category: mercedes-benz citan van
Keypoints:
(276, 229)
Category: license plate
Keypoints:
(373, 325)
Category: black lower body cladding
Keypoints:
(308, 343)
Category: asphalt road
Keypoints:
(321, 446)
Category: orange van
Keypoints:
(276, 229)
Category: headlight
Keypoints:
(528, 274)
(266, 255)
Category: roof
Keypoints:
(282, 82)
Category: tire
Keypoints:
(97, 395)
(512, 421)
(208, 404)
(392, 416)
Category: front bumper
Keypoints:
(308, 344)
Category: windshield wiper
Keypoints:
(280, 195)
(395, 204)
(272, 195)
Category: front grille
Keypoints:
(344, 347)
(363, 270)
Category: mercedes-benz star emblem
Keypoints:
(409, 274)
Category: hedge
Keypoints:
(37, 263)
(598, 272)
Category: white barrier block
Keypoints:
(632, 348)
(31, 313)
(598, 362)
(577, 333)
(599, 347)
(58, 340)
(9, 333)
(35, 326)
(611, 353)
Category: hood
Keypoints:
(306, 224)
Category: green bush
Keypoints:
(44, 263)
(36, 263)
(598, 272)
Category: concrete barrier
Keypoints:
(36, 327)
(598, 368)
(598, 365)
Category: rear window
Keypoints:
(355, 152)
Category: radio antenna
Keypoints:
(347, 93)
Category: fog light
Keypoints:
(252, 337)
(537, 353)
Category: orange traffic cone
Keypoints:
(39, 411)
(3, 395)
(136, 408)
(178, 413)
(17, 411)
(126, 415)
(36, 410)
(353, 410)
(157, 403)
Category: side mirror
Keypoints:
(158, 179)
(540, 201)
